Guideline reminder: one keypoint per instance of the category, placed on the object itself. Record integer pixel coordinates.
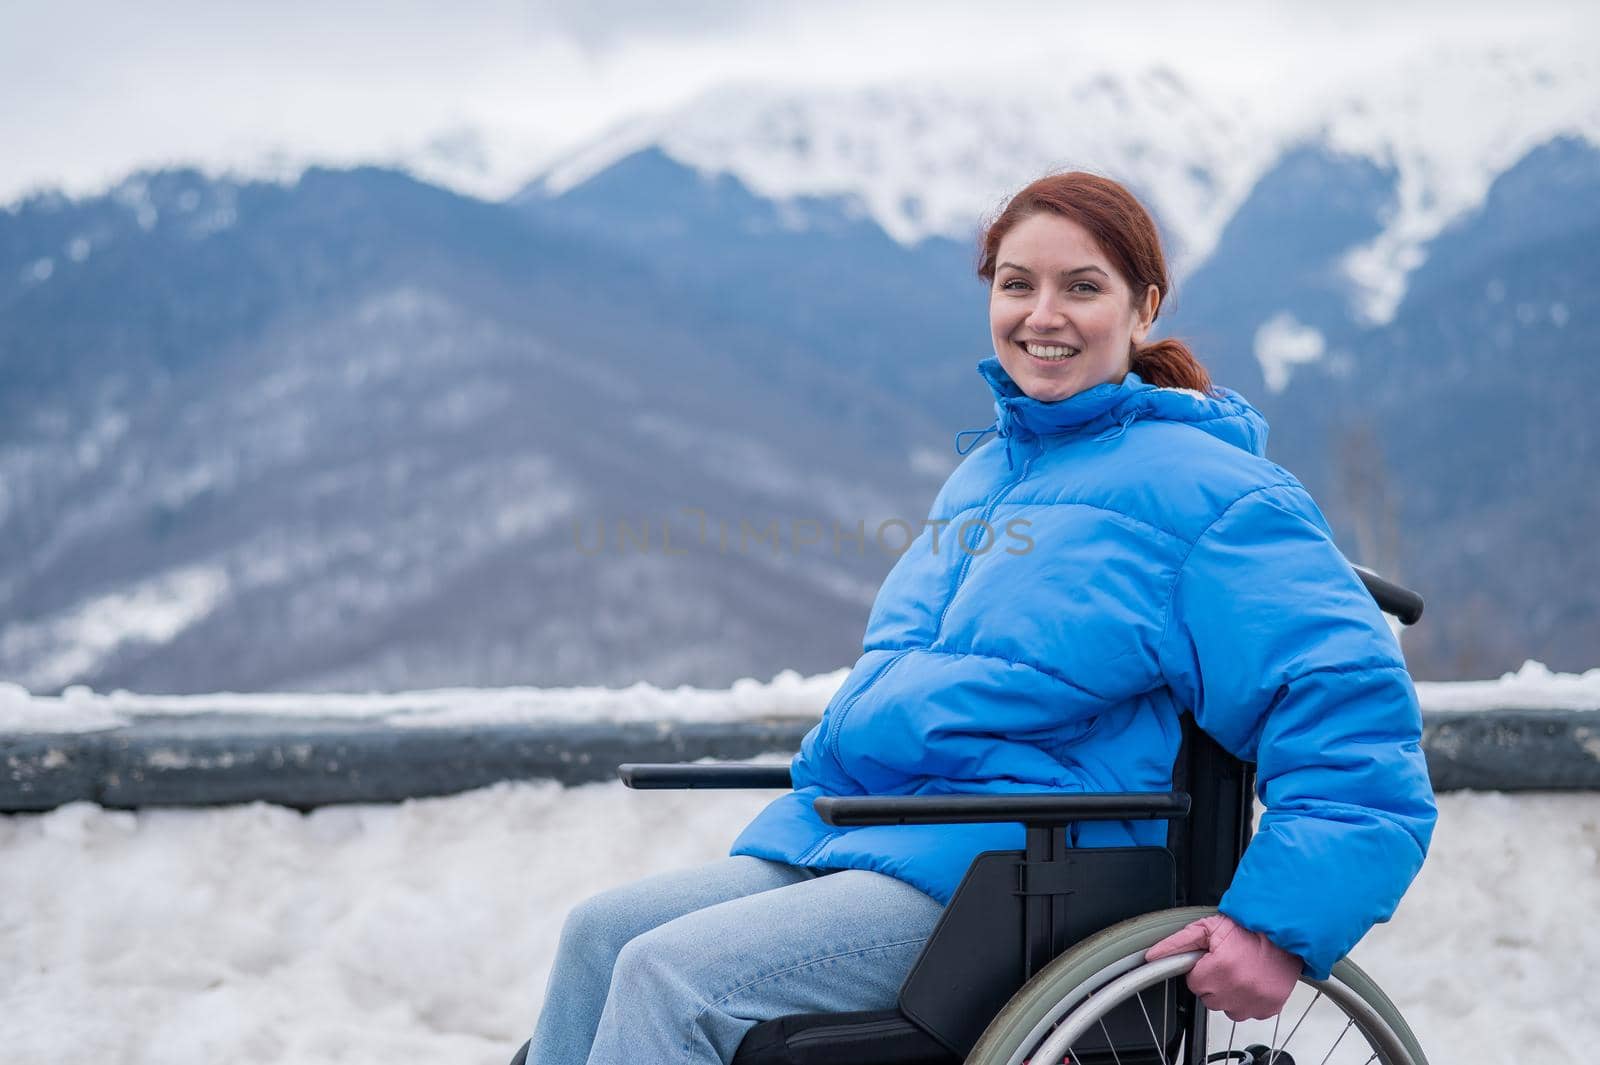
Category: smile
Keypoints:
(1050, 352)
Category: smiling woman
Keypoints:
(1077, 279)
(1172, 572)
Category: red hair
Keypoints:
(1127, 234)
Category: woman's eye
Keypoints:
(1085, 288)
(1010, 286)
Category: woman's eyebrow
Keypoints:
(1065, 273)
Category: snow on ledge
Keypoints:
(1533, 687)
(78, 709)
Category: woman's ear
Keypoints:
(1146, 310)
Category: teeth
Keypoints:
(1050, 351)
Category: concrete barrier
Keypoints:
(213, 759)
(1513, 750)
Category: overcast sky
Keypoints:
(93, 90)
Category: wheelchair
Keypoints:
(1039, 955)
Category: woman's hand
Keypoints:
(1243, 974)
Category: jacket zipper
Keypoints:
(844, 710)
(966, 563)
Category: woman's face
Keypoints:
(1061, 317)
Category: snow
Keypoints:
(134, 194)
(1449, 126)
(154, 610)
(1532, 687)
(75, 710)
(929, 159)
(1282, 342)
(423, 932)
(934, 155)
(933, 158)
(788, 694)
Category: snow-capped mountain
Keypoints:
(336, 429)
(932, 159)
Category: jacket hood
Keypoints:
(1224, 413)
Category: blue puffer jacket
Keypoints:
(1108, 562)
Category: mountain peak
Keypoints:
(932, 159)
(1448, 127)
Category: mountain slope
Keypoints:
(373, 467)
(357, 431)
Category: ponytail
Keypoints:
(1170, 364)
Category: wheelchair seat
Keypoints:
(870, 1037)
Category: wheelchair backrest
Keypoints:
(1210, 842)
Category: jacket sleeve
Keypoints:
(1284, 658)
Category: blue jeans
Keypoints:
(675, 968)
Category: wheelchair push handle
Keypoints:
(726, 775)
(1392, 598)
(1033, 810)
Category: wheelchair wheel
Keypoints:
(1062, 1011)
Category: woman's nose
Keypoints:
(1046, 314)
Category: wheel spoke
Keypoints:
(1349, 1024)
(1297, 1024)
(1110, 1043)
(1160, 1046)
(1164, 1013)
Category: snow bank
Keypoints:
(786, 695)
(1533, 687)
(422, 933)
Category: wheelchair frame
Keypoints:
(1016, 911)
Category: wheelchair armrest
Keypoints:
(1030, 809)
(656, 777)
(1392, 598)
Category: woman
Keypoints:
(1163, 566)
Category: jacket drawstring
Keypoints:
(978, 433)
(1118, 429)
(978, 436)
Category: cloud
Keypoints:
(497, 88)
(600, 25)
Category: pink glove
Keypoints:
(1243, 973)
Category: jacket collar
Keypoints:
(1019, 415)
(1223, 413)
